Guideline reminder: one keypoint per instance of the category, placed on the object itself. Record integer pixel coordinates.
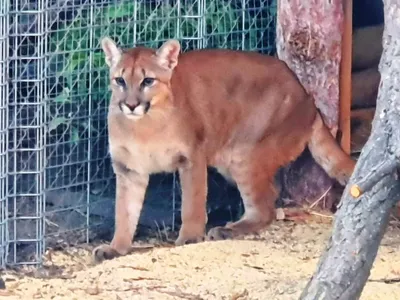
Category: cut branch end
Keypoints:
(355, 191)
(385, 168)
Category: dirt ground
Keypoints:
(273, 265)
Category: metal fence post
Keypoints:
(26, 132)
(4, 22)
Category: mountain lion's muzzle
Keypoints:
(134, 110)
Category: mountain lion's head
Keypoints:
(140, 77)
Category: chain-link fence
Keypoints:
(56, 181)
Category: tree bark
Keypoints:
(361, 221)
(309, 40)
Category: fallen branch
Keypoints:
(387, 281)
(140, 278)
(140, 248)
(382, 170)
(178, 293)
(320, 198)
(320, 215)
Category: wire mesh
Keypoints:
(57, 185)
(3, 127)
(26, 136)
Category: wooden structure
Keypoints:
(336, 60)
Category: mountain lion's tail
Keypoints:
(328, 154)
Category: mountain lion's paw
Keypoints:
(184, 240)
(219, 233)
(104, 252)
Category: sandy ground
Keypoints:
(273, 265)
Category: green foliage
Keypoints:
(78, 63)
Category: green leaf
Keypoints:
(120, 11)
(74, 135)
(64, 97)
(56, 122)
(98, 60)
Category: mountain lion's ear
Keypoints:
(112, 52)
(168, 54)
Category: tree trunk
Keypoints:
(309, 40)
(373, 190)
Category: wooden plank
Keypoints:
(363, 114)
(345, 78)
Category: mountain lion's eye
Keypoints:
(148, 81)
(120, 81)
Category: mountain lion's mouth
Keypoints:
(134, 110)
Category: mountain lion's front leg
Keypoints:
(193, 179)
(131, 189)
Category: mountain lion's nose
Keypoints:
(130, 105)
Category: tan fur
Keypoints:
(244, 113)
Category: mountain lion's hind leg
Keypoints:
(257, 188)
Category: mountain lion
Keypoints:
(244, 113)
